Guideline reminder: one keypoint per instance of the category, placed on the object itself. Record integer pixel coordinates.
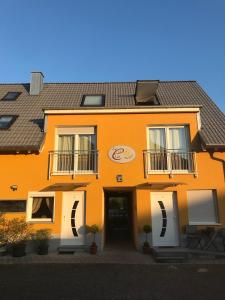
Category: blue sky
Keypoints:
(115, 40)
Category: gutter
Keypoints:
(25, 149)
(130, 110)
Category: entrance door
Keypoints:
(118, 217)
(73, 210)
(164, 219)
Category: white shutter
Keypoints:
(202, 207)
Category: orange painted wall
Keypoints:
(30, 171)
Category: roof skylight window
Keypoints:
(93, 100)
(6, 121)
(11, 96)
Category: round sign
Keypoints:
(121, 154)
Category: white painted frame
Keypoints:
(64, 195)
(145, 110)
(29, 207)
(167, 141)
(75, 131)
(175, 218)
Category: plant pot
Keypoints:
(93, 248)
(146, 249)
(3, 250)
(42, 250)
(18, 250)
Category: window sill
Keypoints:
(40, 222)
(168, 172)
(205, 223)
(71, 173)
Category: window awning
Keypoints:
(159, 185)
(64, 186)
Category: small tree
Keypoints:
(93, 229)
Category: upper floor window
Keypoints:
(93, 100)
(168, 149)
(76, 150)
(6, 121)
(174, 139)
(11, 96)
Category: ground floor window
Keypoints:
(12, 206)
(40, 207)
(202, 207)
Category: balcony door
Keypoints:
(76, 153)
(168, 148)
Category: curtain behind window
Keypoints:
(178, 148)
(178, 139)
(66, 153)
(157, 141)
(86, 153)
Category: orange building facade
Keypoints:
(106, 166)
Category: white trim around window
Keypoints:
(31, 195)
(167, 145)
(74, 131)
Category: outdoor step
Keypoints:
(204, 253)
(166, 254)
(71, 249)
(170, 259)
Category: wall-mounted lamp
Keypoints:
(14, 187)
(119, 178)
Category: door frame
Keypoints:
(176, 218)
(119, 192)
(84, 216)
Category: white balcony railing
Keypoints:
(73, 162)
(171, 161)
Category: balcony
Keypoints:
(73, 162)
(169, 162)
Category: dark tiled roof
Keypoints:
(27, 131)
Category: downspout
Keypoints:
(211, 153)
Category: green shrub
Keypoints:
(93, 229)
(17, 231)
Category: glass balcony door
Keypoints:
(168, 149)
(76, 153)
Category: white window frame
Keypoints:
(31, 195)
(215, 201)
(75, 131)
(167, 142)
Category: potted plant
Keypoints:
(42, 238)
(146, 247)
(3, 242)
(93, 229)
(18, 231)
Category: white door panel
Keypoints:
(73, 215)
(164, 219)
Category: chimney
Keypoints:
(36, 84)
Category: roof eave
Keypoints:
(25, 149)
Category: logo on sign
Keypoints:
(121, 154)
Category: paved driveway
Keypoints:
(111, 281)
